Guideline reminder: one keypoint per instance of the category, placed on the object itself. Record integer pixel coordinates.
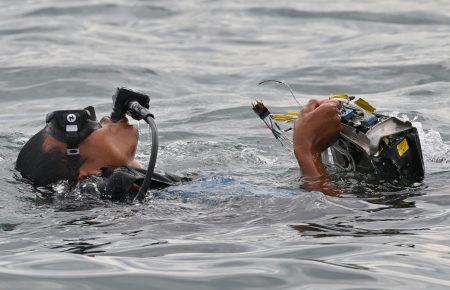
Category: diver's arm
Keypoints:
(317, 127)
(310, 163)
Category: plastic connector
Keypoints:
(261, 110)
(347, 115)
(372, 120)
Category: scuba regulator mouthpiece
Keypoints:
(136, 105)
(129, 102)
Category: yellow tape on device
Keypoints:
(402, 147)
(340, 96)
(365, 105)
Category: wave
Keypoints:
(97, 9)
(412, 18)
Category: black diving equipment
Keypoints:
(72, 127)
(129, 102)
(136, 105)
(370, 142)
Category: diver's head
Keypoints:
(52, 154)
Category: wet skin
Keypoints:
(317, 127)
(113, 145)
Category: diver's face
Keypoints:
(113, 145)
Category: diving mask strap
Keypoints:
(72, 140)
(72, 127)
(73, 152)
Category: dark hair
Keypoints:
(45, 167)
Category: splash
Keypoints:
(434, 148)
(84, 196)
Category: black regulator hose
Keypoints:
(137, 110)
(136, 105)
(153, 156)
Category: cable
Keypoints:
(285, 84)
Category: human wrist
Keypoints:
(310, 161)
(305, 157)
(305, 149)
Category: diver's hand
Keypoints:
(316, 128)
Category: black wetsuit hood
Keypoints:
(122, 183)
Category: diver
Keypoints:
(74, 147)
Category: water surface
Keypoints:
(244, 222)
